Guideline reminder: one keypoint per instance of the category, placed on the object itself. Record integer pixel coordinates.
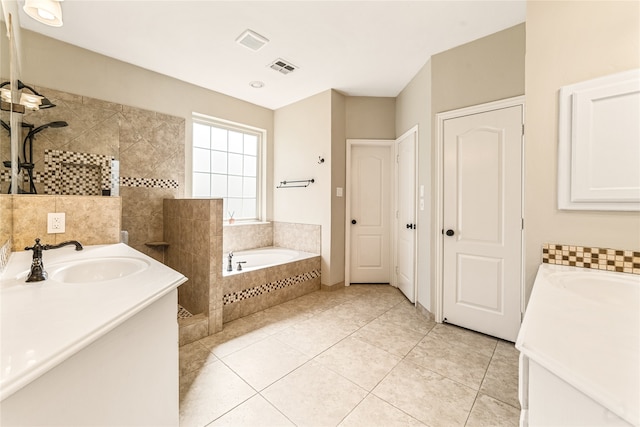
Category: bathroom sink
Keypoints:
(604, 287)
(96, 269)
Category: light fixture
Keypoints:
(256, 84)
(47, 12)
(31, 101)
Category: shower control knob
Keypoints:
(354, 222)
(450, 233)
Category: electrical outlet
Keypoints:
(55, 222)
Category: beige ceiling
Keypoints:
(361, 48)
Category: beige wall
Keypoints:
(413, 107)
(338, 179)
(61, 66)
(303, 132)
(568, 42)
(483, 70)
(370, 117)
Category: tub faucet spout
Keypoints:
(230, 264)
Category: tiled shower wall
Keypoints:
(193, 230)
(149, 146)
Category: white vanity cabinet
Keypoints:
(554, 402)
(100, 354)
(580, 346)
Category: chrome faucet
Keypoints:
(37, 273)
(230, 264)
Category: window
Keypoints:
(226, 164)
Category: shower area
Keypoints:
(193, 232)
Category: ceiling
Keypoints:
(360, 48)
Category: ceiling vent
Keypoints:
(252, 40)
(283, 66)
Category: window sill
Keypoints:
(225, 223)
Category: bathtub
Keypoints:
(255, 259)
(269, 276)
(580, 345)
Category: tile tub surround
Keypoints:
(621, 261)
(251, 291)
(241, 237)
(360, 356)
(301, 237)
(193, 229)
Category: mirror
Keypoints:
(11, 111)
(66, 144)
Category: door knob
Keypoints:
(354, 222)
(450, 232)
(411, 226)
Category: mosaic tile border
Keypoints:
(127, 181)
(269, 287)
(617, 260)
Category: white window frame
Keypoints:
(261, 161)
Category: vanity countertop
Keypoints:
(44, 323)
(583, 325)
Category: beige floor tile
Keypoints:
(429, 397)
(375, 412)
(465, 338)
(407, 315)
(254, 412)
(389, 336)
(313, 336)
(194, 356)
(231, 340)
(313, 395)
(501, 379)
(208, 393)
(489, 412)
(351, 312)
(265, 362)
(451, 360)
(359, 361)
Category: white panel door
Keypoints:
(370, 214)
(483, 221)
(406, 216)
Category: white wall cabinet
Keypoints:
(599, 144)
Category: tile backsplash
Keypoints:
(622, 261)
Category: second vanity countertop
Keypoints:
(44, 323)
(583, 325)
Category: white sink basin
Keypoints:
(96, 269)
(604, 287)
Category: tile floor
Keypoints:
(361, 356)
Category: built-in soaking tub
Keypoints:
(262, 258)
(269, 276)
